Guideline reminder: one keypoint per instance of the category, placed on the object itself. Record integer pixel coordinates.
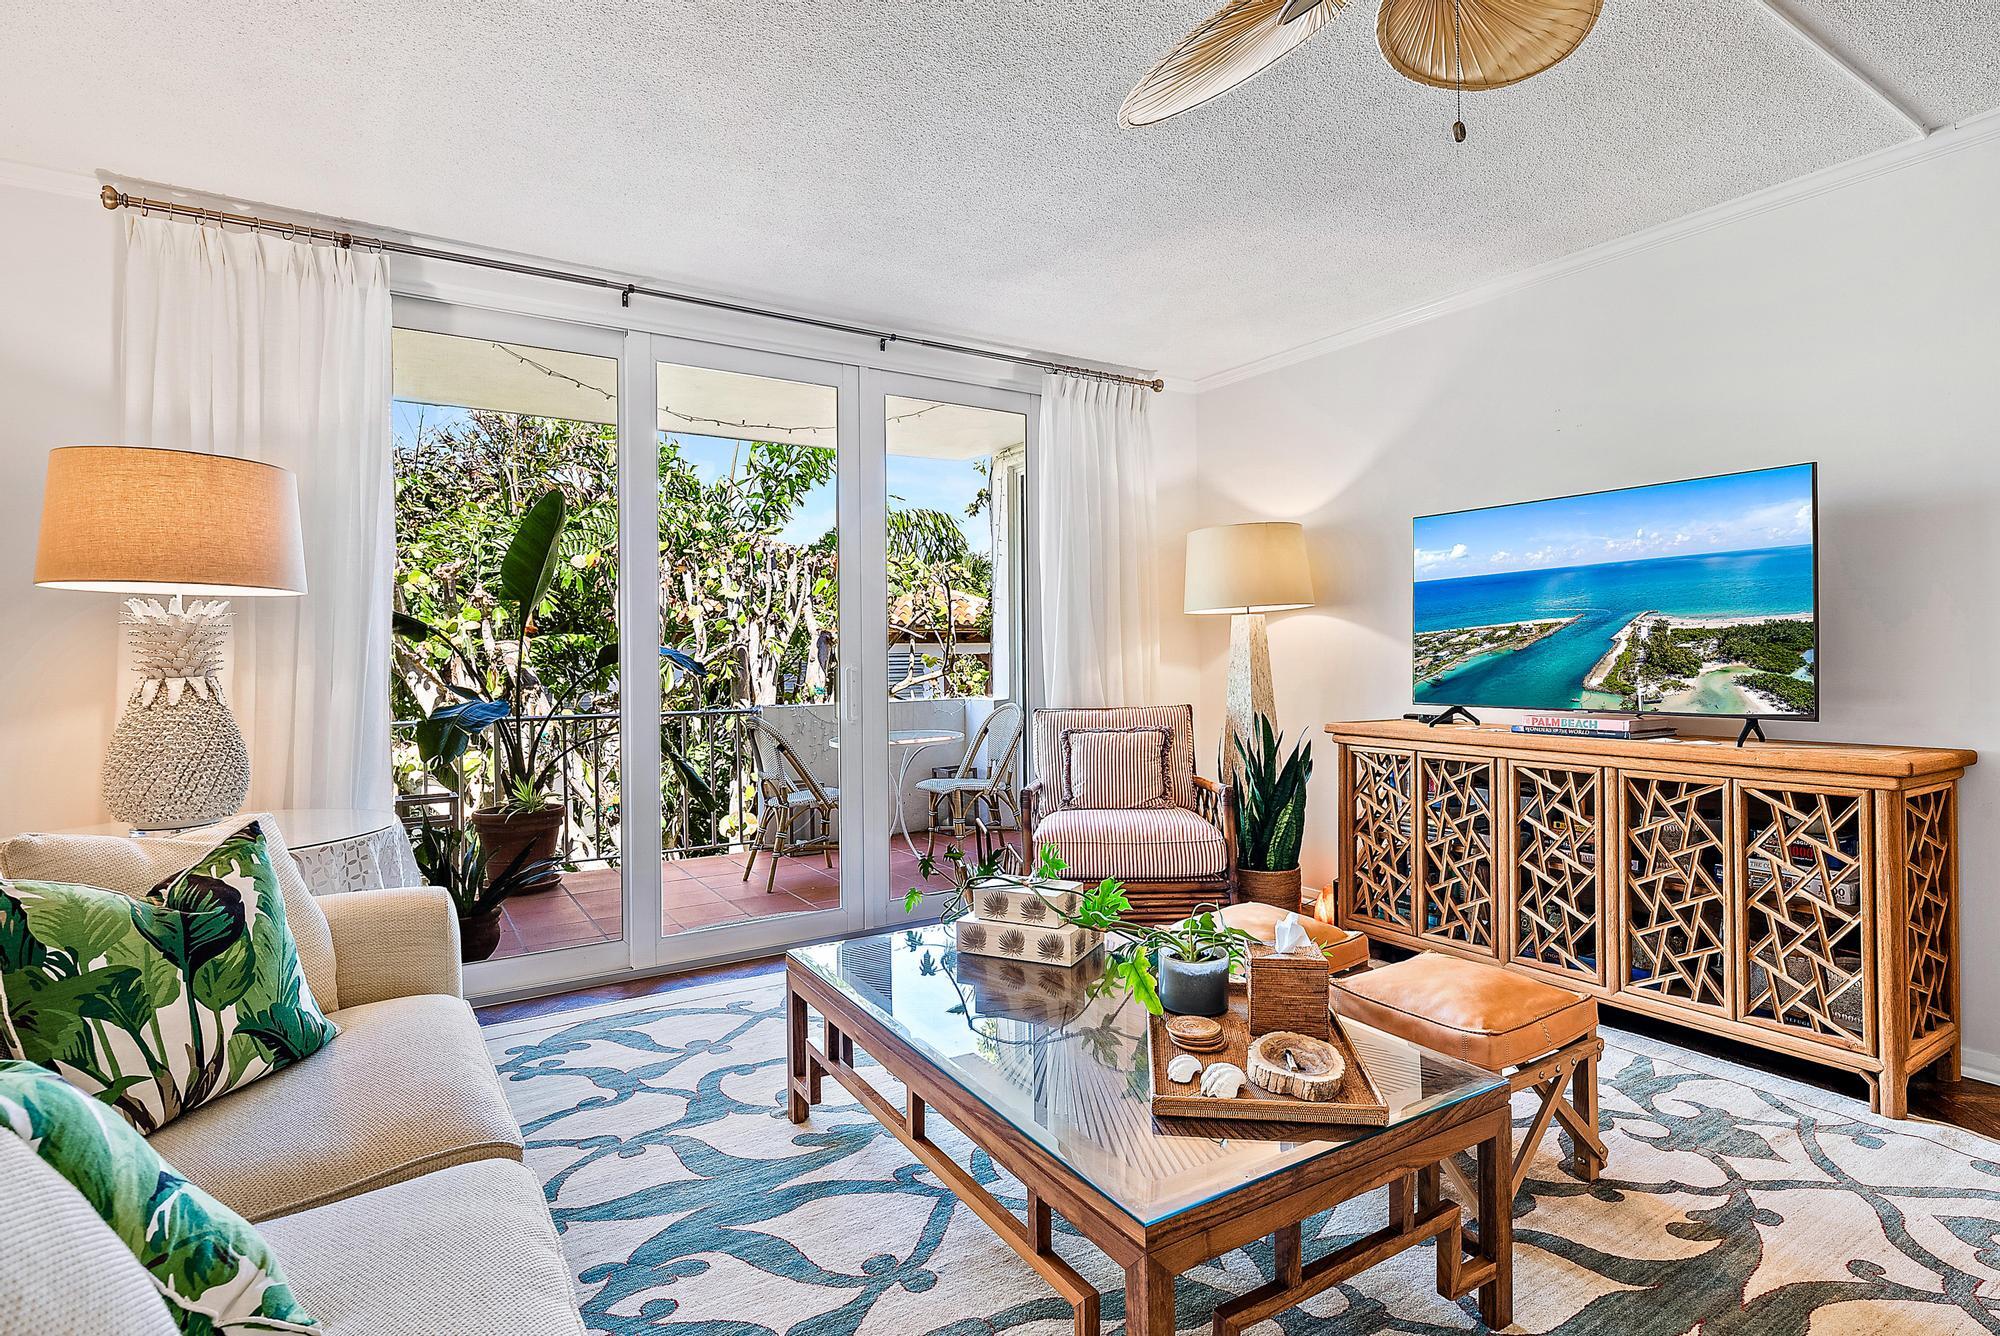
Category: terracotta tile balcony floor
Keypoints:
(694, 893)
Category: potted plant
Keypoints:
(452, 858)
(1181, 967)
(1271, 817)
(520, 823)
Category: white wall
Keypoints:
(58, 650)
(1858, 327)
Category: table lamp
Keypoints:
(200, 528)
(1247, 570)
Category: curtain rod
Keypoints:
(115, 198)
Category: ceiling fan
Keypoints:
(1458, 45)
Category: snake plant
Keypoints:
(1271, 810)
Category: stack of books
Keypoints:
(1597, 725)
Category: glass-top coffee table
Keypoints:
(1049, 1074)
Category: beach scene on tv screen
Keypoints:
(1687, 597)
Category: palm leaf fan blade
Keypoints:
(1234, 43)
(1496, 43)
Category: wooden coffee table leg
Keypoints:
(1496, 1225)
(1149, 1299)
(1288, 1255)
(830, 1044)
(798, 1059)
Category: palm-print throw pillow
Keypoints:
(160, 1003)
(215, 1272)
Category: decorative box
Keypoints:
(1008, 900)
(1056, 944)
(1289, 991)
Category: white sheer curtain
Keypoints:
(1099, 610)
(249, 344)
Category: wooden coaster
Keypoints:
(1196, 1034)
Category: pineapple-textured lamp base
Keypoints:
(177, 758)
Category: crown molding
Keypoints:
(1965, 134)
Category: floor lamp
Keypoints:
(132, 520)
(1247, 570)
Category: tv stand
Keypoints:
(1444, 716)
(1801, 898)
(1753, 727)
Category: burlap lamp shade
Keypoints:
(127, 519)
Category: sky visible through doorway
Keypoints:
(915, 482)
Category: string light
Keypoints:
(667, 410)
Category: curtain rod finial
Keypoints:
(112, 199)
(1158, 385)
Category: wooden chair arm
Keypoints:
(1213, 801)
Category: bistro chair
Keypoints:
(956, 799)
(796, 814)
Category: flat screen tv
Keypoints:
(1685, 598)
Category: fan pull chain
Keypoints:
(1458, 64)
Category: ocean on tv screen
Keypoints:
(1702, 601)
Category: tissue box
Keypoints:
(1289, 991)
(1058, 944)
(1008, 900)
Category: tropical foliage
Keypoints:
(748, 610)
(451, 857)
(215, 1272)
(158, 1004)
(1271, 810)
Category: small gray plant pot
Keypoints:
(1195, 987)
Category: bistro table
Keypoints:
(1038, 1072)
(909, 741)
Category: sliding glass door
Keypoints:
(761, 733)
(952, 660)
(779, 658)
(506, 741)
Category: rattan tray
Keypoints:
(1359, 1103)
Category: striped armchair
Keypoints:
(1171, 857)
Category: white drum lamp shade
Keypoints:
(1248, 568)
(127, 519)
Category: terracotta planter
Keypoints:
(1279, 889)
(503, 835)
(479, 936)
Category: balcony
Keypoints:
(709, 817)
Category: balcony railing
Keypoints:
(706, 769)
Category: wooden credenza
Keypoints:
(1798, 896)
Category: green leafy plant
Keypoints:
(1271, 810)
(528, 753)
(451, 858)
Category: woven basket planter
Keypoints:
(1279, 889)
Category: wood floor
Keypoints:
(1973, 1105)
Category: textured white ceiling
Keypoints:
(957, 167)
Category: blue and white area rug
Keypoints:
(1735, 1203)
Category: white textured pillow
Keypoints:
(1117, 769)
(133, 865)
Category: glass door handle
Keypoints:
(851, 686)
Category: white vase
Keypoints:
(177, 758)
(174, 765)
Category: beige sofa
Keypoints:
(385, 1170)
